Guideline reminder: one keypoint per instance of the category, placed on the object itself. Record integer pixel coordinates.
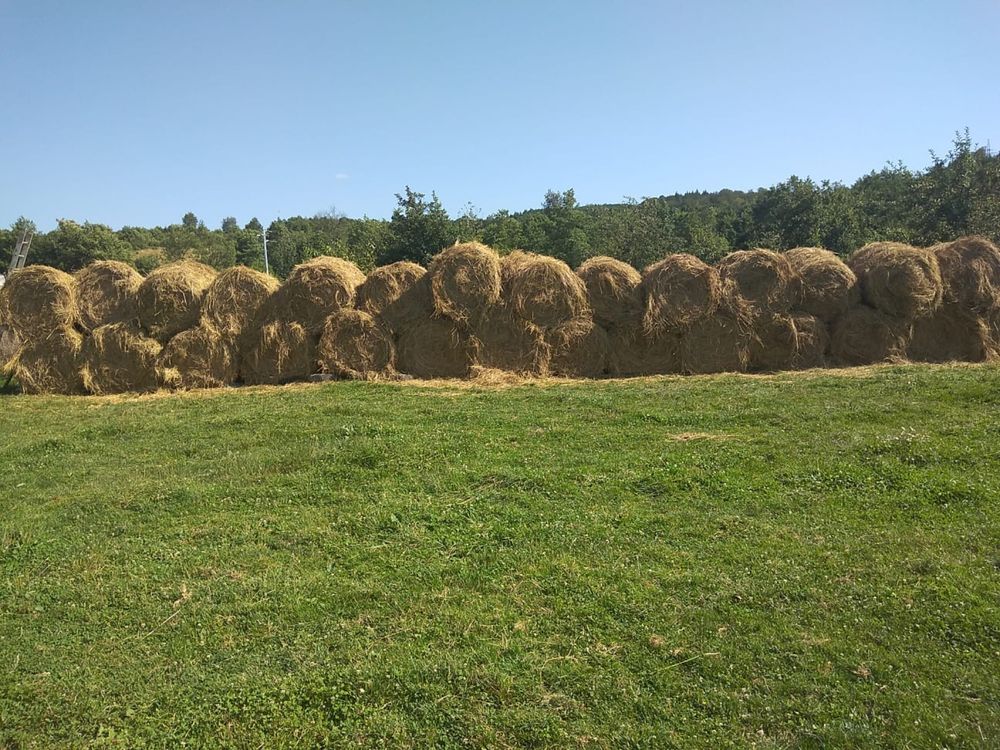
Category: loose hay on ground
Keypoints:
(612, 290)
(169, 299)
(679, 290)
(464, 281)
(234, 298)
(899, 280)
(827, 285)
(106, 292)
(355, 345)
(39, 301)
(118, 358)
(434, 348)
(200, 357)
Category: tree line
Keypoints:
(957, 194)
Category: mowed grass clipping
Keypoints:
(806, 560)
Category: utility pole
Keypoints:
(263, 236)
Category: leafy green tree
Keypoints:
(419, 228)
(71, 246)
(249, 245)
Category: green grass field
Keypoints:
(789, 561)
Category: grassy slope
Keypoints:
(703, 562)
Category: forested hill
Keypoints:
(957, 194)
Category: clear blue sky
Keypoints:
(137, 112)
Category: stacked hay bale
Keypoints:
(282, 345)
(398, 295)
(542, 322)
(615, 297)
(355, 345)
(40, 306)
(899, 285)
(828, 288)
(207, 355)
(106, 293)
(168, 301)
(760, 287)
(682, 317)
(392, 300)
(463, 286)
(117, 356)
(961, 328)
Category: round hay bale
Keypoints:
(970, 271)
(897, 279)
(501, 340)
(279, 351)
(355, 345)
(9, 344)
(106, 293)
(50, 363)
(719, 343)
(774, 343)
(434, 348)
(579, 349)
(813, 337)
(169, 299)
(316, 289)
(626, 349)
(200, 357)
(397, 293)
(234, 298)
(951, 334)
(632, 353)
(612, 290)
(764, 278)
(827, 285)
(118, 358)
(543, 291)
(464, 281)
(39, 301)
(864, 336)
(679, 290)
